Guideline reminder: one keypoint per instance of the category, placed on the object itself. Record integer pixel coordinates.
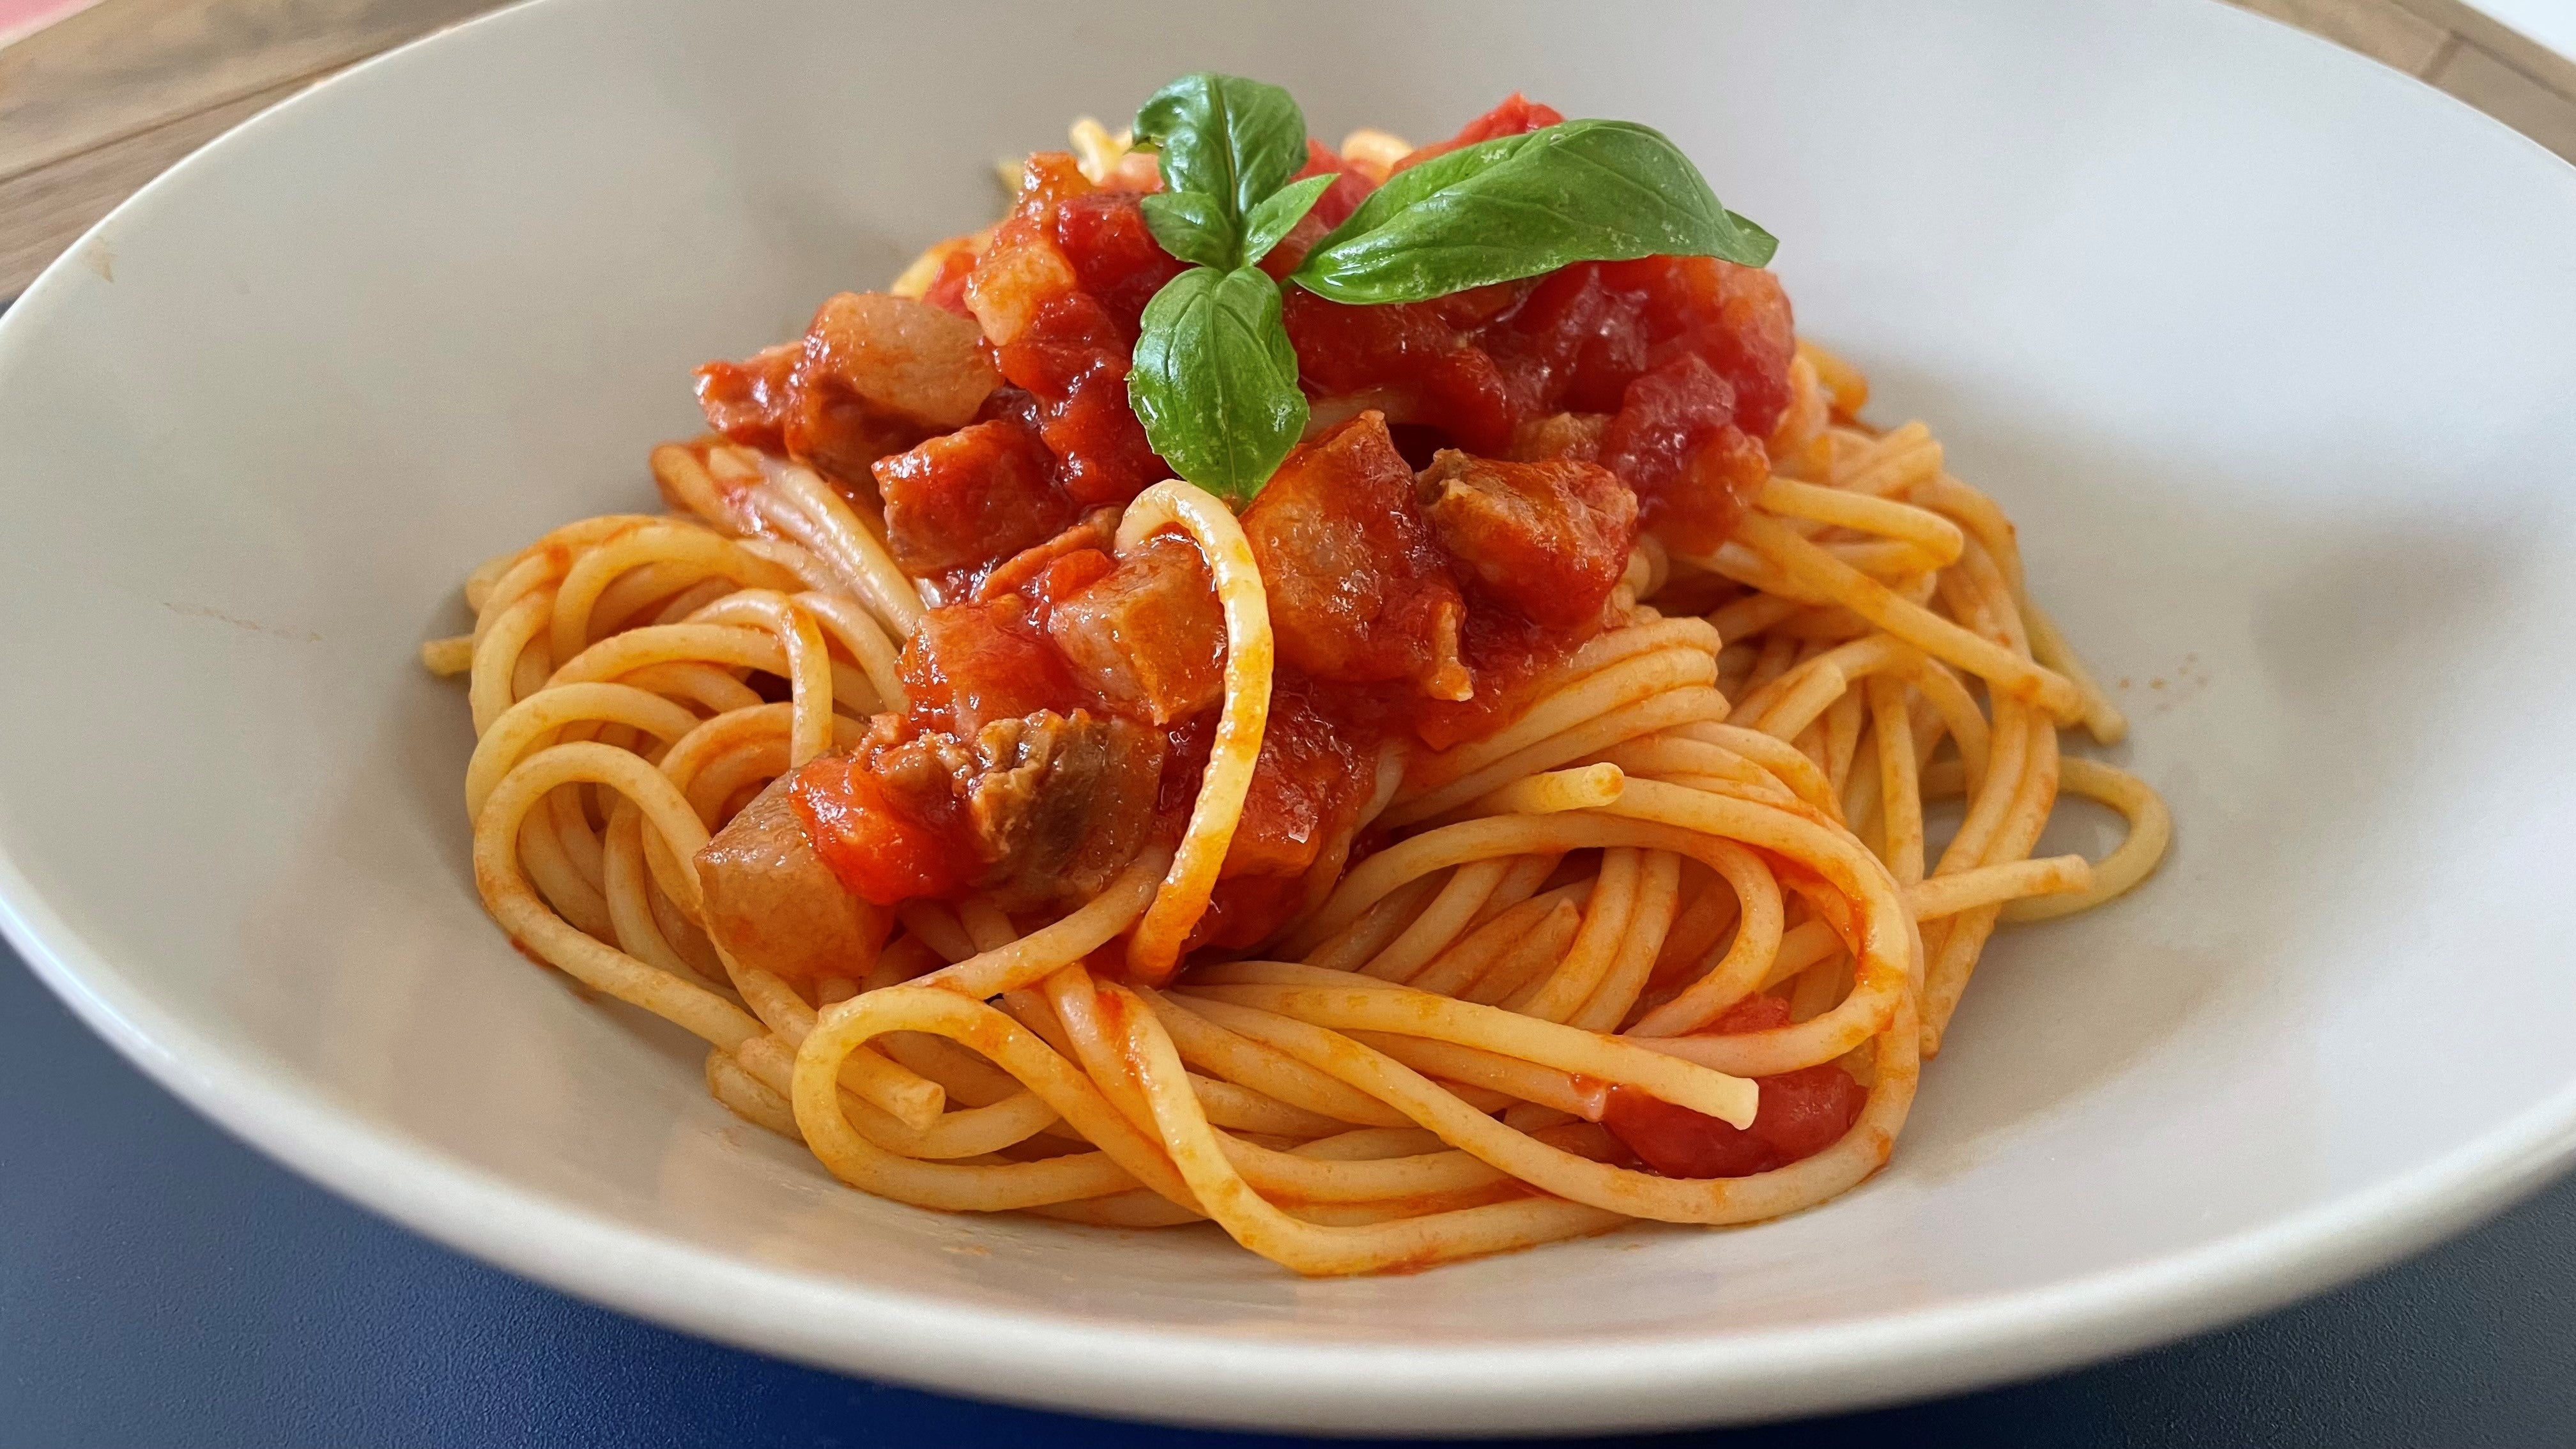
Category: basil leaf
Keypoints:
(1519, 206)
(1215, 380)
(1223, 136)
(1278, 213)
(1190, 226)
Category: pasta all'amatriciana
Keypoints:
(1377, 696)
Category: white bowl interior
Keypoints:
(2267, 350)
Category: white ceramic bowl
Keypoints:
(2269, 350)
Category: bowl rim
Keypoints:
(1663, 1380)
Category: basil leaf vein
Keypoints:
(1214, 380)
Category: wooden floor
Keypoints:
(104, 101)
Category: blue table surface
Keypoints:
(162, 1284)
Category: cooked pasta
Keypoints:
(1465, 845)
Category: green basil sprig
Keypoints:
(1266, 223)
(1231, 140)
(1519, 206)
(1214, 379)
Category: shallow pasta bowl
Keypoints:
(2266, 349)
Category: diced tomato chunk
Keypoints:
(1149, 633)
(747, 400)
(947, 290)
(1104, 455)
(1185, 754)
(1343, 350)
(970, 664)
(1063, 343)
(1572, 341)
(1067, 575)
(1673, 441)
(1663, 418)
(1549, 539)
(1310, 781)
(1314, 774)
(1735, 318)
(1072, 358)
(1464, 397)
(1409, 360)
(977, 495)
(1751, 339)
(1699, 511)
(876, 851)
(1479, 368)
(1811, 1109)
(1067, 337)
(1114, 254)
(1350, 187)
(1801, 1114)
(1245, 910)
(1357, 591)
(1517, 113)
(900, 357)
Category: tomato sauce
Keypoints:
(1477, 469)
(1801, 1113)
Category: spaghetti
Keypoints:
(1642, 921)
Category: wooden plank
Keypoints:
(126, 67)
(2504, 92)
(44, 211)
(2553, 70)
(2381, 29)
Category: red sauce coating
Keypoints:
(1314, 774)
(947, 289)
(1475, 368)
(1801, 1113)
(1358, 591)
(1546, 539)
(1410, 596)
(1145, 630)
(983, 492)
(1065, 576)
(1349, 189)
(1114, 255)
(747, 400)
(1059, 293)
(971, 664)
(1517, 113)
(878, 852)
